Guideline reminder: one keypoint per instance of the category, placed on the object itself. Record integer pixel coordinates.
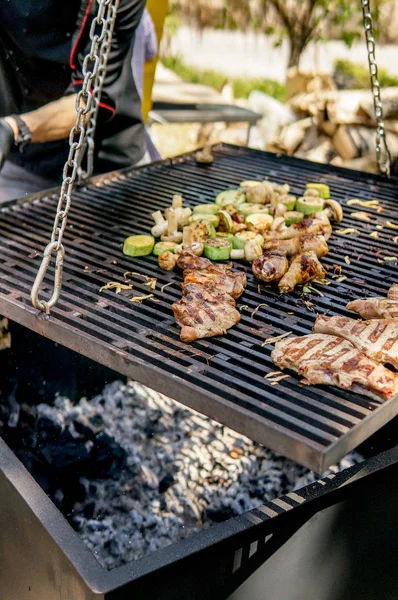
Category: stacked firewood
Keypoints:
(333, 126)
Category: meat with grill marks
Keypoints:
(213, 278)
(271, 266)
(303, 269)
(202, 313)
(330, 360)
(309, 225)
(299, 245)
(392, 293)
(378, 338)
(375, 308)
(188, 260)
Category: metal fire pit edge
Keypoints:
(41, 557)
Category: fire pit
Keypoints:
(104, 467)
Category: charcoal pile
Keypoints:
(134, 471)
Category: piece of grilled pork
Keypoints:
(375, 308)
(392, 293)
(303, 268)
(378, 338)
(201, 313)
(299, 245)
(224, 282)
(330, 360)
(188, 260)
(271, 266)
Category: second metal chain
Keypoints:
(87, 102)
(383, 155)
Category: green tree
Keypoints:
(300, 20)
(306, 20)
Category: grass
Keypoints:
(242, 86)
(358, 75)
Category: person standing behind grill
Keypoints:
(145, 49)
(42, 47)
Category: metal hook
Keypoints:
(44, 306)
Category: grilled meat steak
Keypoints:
(330, 360)
(378, 339)
(201, 313)
(226, 282)
(375, 308)
(299, 245)
(188, 260)
(393, 292)
(307, 226)
(303, 268)
(271, 266)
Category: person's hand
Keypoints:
(6, 140)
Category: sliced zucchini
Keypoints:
(234, 197)
(247, 209)
(218, 249)
(289, 202)
(202, 230)
(138, 245)
(223, 235)
(209, 209)
(259, 222)
(164, 247)
(240, 239)
(309, 205)
(226, 222)
(213, 219)
(293, 216)
(249, 183)
(322, 188)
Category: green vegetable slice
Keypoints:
(213, 219)
(218, 249)
(247, 209)
(223, 235)
(209, 209)
(240, 239)
(293, 216)
(202, 230)
(234, 197)
(289, 202)
(259, 221)
(164, 247)
(138, 245)
(226, 222)
(322, 188)
(309, 205)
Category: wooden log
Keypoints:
(356, 142)
(289, 138)
(323, 151)
(5, 336)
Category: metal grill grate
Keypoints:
(221, 377)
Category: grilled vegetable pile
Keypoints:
(259, 222)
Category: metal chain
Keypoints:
(98, 83)
(383, 155)
(87, 102)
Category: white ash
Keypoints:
(210, 472)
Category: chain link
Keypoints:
(383, 155)
(87, 103)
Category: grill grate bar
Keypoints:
(222, 377)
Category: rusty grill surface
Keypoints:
(222, 377)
